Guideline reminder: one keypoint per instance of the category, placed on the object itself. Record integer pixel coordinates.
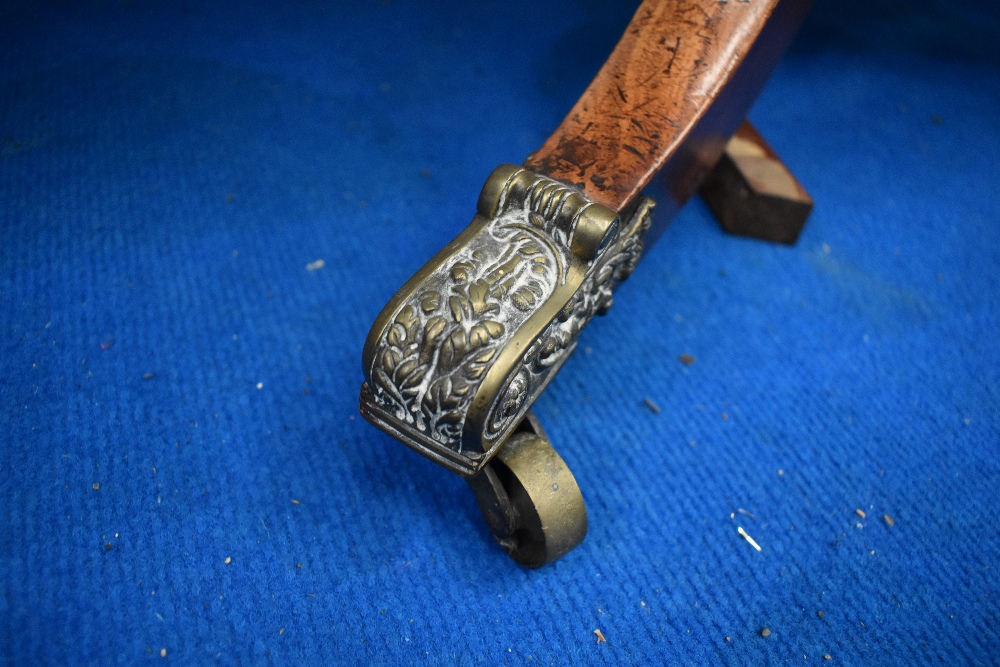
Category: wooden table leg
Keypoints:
(752, 192)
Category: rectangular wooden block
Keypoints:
(752, 193)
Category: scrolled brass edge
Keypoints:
(460, 352)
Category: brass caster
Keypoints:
(530, 499)
(459, 354)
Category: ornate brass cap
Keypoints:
(459, 354)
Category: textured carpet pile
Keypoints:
(184, 476)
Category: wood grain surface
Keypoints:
(752, 193)
(673, 91)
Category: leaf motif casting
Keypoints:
(594, 297)
(446, 335)
(441, 342)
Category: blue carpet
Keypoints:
(183, 471)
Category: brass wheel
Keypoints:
(530, 499)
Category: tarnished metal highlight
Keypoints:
(459, 354)
(530, 499)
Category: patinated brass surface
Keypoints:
(459, 354)
(457, 357)
(530, 499)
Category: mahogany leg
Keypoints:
(752, 193)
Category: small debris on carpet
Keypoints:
(314, 266)
(686, 359)
(766, 632)
(888, 520)
(748, 538)
(860, 513)
(600, 637)
(653, 407)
